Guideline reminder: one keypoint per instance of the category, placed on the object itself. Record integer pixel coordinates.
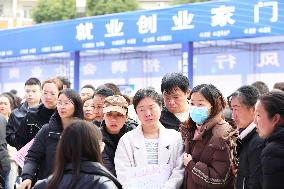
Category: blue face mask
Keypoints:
(198, 114)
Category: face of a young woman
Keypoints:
(88, 109)
(49, 95)
(264, 124)
(5, 106)
(148, 112)
(65, 107)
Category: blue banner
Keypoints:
(193, 22)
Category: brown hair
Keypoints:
(56, 81)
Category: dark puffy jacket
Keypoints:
(40, 158)
(14, 122)
(111, 142)
(31, 124)
(249, 168)
(4, 157)
(272, 160)
(169, 120)
(93, 176)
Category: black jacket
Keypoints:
(111, 142)
(4, 157)
(249, 167)
(14, 122)
(169, 120)
(31, 124)
(272, 160)
(40, 158)
(93, 176)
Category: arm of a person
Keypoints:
(217, 173)
(11, 131)
(176, 178)
(122, 161)
(108, 161)
(35, 156)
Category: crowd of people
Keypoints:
(180, 138)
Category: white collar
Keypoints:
(247, 130)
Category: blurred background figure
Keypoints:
(78, 161)
(261, 86)
(279, 85)
(89, 109)
(87, 91)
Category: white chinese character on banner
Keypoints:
(37, 72)
(268, 58)
(222, 59)
(119, 66)
(272, 4)
(183, 20)
(114, 28)
(84, 31)
(61, 70)
(89, 69)
(222, 16)
(147, 24)
(14, 73)
(151, 65)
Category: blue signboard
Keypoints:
(193, 22)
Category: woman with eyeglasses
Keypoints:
(208, 142)
(40, 158)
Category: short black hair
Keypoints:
(33, 81)
(89, 86)
(172, 80)
(247, 94)
(104, 91)
(143, 93)
(261, 86)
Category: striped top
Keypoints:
(152, 150)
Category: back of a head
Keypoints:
(65, 82)
(172, 80)
(104, 91)
(279, 85)
(81, 139)
(261, 86)
(113, 87)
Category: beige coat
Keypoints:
(131, 152)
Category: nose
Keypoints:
(147, 113)
(171, 101)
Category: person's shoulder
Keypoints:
(222, 129)
(103, 182)
(40, 184)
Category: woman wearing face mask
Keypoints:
(40, 158)
(209, 146)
